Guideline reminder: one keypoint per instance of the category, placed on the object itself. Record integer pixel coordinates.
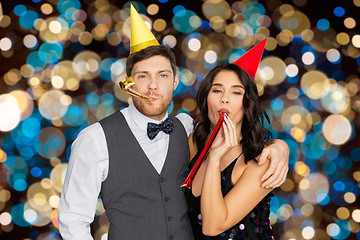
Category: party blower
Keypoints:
(188, 181)
(126, 87)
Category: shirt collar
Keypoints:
(140, 119)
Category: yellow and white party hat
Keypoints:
(141, 36)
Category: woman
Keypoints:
(226, 200)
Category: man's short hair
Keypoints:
(158, 50)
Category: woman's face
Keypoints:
(226, 93)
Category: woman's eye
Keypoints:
(216, 91)
(237, 93)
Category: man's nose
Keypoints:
(153, 84)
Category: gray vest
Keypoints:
(139, 202)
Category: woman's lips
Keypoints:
(222, 111)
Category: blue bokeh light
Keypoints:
(20, 10)
(339, 11)
(28, 18)
(323, 24)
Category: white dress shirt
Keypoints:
(88, 168)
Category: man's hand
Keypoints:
(278, 154)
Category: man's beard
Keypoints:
(151, 111)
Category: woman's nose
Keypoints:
(224, 99)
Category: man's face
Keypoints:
(154, 77)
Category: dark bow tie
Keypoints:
(153, 129)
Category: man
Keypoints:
(137, 172)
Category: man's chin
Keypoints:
(151, 110)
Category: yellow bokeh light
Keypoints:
(57, 81)
(342, 213)
(5, 21)
(27, 70)
(114, 38)
(46, 8)
(72, 84)
(189, 104)
(5, 44)
(40, 199)
(286, 10)
(356, 176)
(288, 185)
(5, 218)
(4, 195)
(55, 27)
(292, 93)
(159, 25)
(50, 106)
(284, 37)
(2, 157)
(307, 35)
(34, 81)
(85, 38)
(218, 24)
(315, 84)
(295, 21)
(216, 8)
(302, 170)
(10, 106)
(153, 9)
(25, 103)
(337, 129)
(349, 23)
(356, 41)
(54, 201)
(272, 71)
(349, 197)
(307, 209)
(343, 38)
(356, 215)
(295, 118)
(99, 32)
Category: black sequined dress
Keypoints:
(255, 225)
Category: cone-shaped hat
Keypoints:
(250, 60)
(141, 36)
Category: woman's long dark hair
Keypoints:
(254, 135)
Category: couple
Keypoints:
(138, 174)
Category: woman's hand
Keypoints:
(225, 140)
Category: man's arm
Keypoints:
(87, 164)
(278, 153)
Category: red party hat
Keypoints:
(250, 60)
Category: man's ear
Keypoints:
(176, 81)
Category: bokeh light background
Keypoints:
(61, 61)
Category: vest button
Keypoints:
(162, 179)
(172, 237)
(166, 199)
(170, 218)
